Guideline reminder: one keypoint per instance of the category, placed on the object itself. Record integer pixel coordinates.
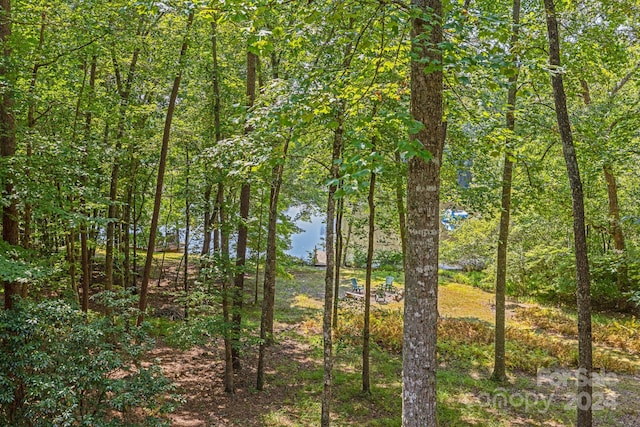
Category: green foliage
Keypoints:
(61, 367)
(471, 244)
(383, 259)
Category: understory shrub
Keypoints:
(383, 259)
(465, 341)
(61, 367)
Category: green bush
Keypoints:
(383, 259)
(60, 367)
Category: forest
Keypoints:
(472, 164)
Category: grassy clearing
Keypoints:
(537, 338)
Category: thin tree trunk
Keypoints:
(229, 385)
(31, 124)
(615, 227)
(208, 217)
(126, 238)
(10, 228)
(125, 94)
(423, 185)
(269, 289)
(348, 238)
(84, 229)
(339, 249)
(166, 233)
(217, 230)
(584, 411)
(161, 168)
(70, 237)
(259, 244)
(366, 336)
(325, 419)
(614, 208)
(187, 229)
(241, 245)
(206, 241)
(499, 368)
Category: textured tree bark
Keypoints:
(499, 368)
(10, 228)
(423, 186)
(161, 169)
(584, 415)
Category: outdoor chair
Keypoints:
(354, 285)
(388, 284)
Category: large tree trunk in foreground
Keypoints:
(499, 369)
(423, 220)
(161, 168)
(10, 229)
(584, 418)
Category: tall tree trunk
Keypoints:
(218, 224)
(269, 289)
(366, 332)
(402, 214)
(325, 418)
(584, 416)
(229, 384)
(615, 226)
(187, 229)
(339, 249)
(10, 228)
(241, 245)
(614, 208)
(209, 218)
(70, 238)
(85, 258)
(126, 228)
(259, 247)
(499, 368)
(125, 95)
(31, 124)
(423, 220)
(345, 251)
(161, 168)
(206, 240)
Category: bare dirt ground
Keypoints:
(199, 374)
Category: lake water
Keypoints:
(312, 236)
